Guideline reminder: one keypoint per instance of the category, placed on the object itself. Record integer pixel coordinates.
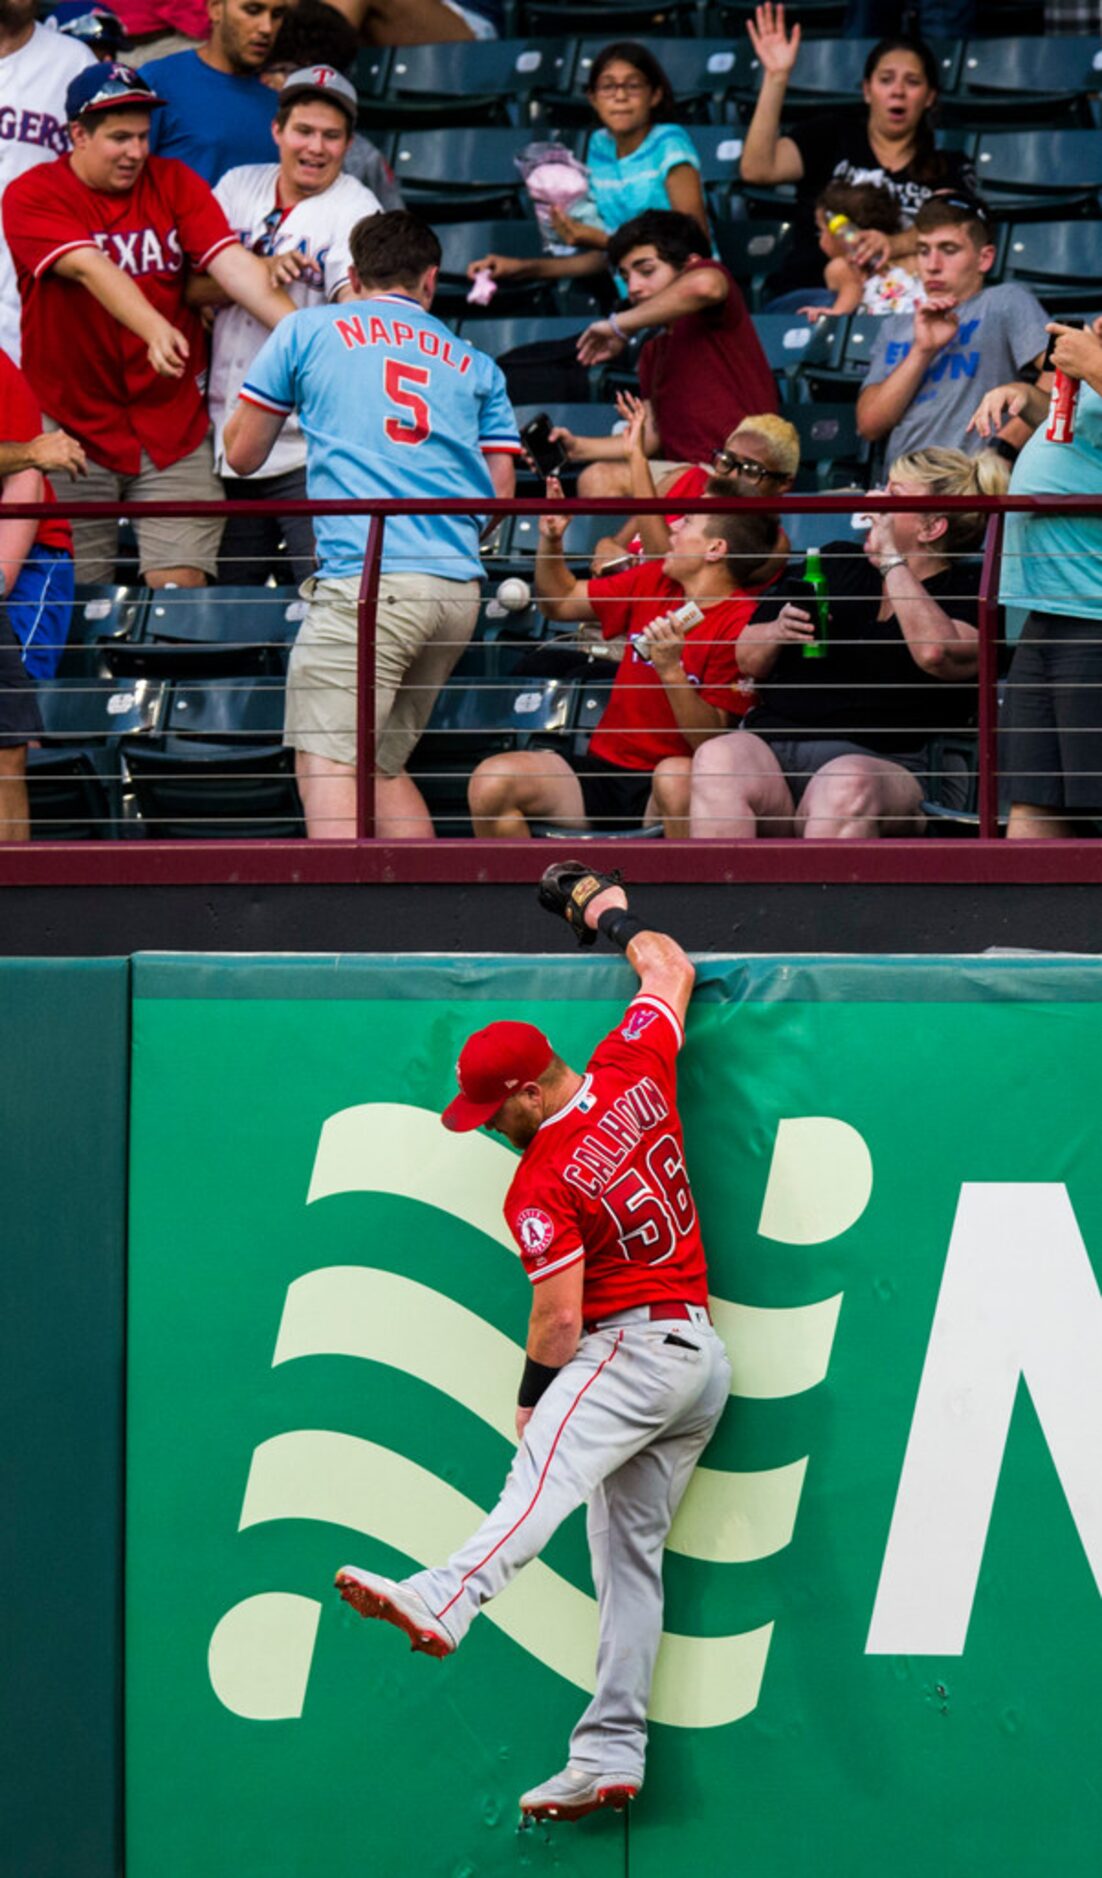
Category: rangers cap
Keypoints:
(107, 87)
(93, 25)
(321, 81)
(492, 1065)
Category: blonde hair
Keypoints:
(781, 437)
(951, 473)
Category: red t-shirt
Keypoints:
(21, 422)
(638, 727)
(90, 374)
(704, 374)
(691, 483)
(604, 1180)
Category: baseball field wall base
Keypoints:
(883, 1642)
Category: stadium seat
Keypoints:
(496, 336)
(485, 81)
(1026, 83)
(101, 616)
(617, 19)
(73, 778)
(704, 73)
(791, 344)
(266, 618)
(464, 242)
(752, 251)
(1061, 262)
(806, 531)
(830, 448)
(719, 147)
(188, 790)
(1040, 175)
(462, 173)
(473, 721)
(818, 18)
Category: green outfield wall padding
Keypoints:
(883, 1617)
(65, 1029)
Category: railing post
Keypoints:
(988, 676)
(367, 618)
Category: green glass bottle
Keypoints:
(813, 574)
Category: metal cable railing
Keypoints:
(187, 696)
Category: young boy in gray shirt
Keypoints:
(930, 369)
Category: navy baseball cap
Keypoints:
(107, 87)
(94, 26)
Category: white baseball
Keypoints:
(514, 594)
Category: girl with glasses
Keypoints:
(637, 160)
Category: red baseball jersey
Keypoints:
(638, 727)
(604, 1180)
(90, 374)
(21, 422)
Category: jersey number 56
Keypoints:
(652, 1215)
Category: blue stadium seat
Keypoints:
(187, 790)
(464, 242)
(829, 73)
(792, 344)
(1061, 262)
(463, 173)
(101, 616)
(1040, 175)
(485, 81)
(617, 19)
(831, 451)
(814, 531)
(264, 617)
(1022, 82)
(818, 18)
(753, 251)
(496, 336)
(73, 777)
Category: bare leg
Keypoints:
(669, 797)
(174, 577)
(860, 798)
(15, 814)
(737, 783)
(605, 479)
(328, 792)
(1029, 823)
(508, 791)
(401, 812)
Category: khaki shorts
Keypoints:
(189, 541)
(424, 624)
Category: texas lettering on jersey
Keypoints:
(142, 251)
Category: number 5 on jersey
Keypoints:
(397, 378)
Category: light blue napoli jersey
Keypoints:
(1053, 563)
(391, 404)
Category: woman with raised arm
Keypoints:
(891, 144)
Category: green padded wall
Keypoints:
(65, 1030)
(883, 1638)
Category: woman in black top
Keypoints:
(891, 144)
(835, 747)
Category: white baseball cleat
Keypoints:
(577, 1791)
(372, 1595)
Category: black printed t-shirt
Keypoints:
(837, 149)
(867, 688)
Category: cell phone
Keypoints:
(1078, 326)
(549, 457)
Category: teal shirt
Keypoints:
(1053, 563)
(624, 187)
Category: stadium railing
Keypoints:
(155, 673)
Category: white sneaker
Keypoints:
(576, 1792)
(372, 1595)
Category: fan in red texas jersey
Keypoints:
(625, 1379)
(100, 239)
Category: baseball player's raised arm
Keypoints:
(593, 903)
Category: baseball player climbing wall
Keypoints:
(882, 1608)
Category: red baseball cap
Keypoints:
(492, 1064)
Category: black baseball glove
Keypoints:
(567, 887)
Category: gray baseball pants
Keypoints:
(622, 1426)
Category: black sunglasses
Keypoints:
(730, 465)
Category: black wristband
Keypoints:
(536, 1378)
(619, 926)
(1011, 452)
